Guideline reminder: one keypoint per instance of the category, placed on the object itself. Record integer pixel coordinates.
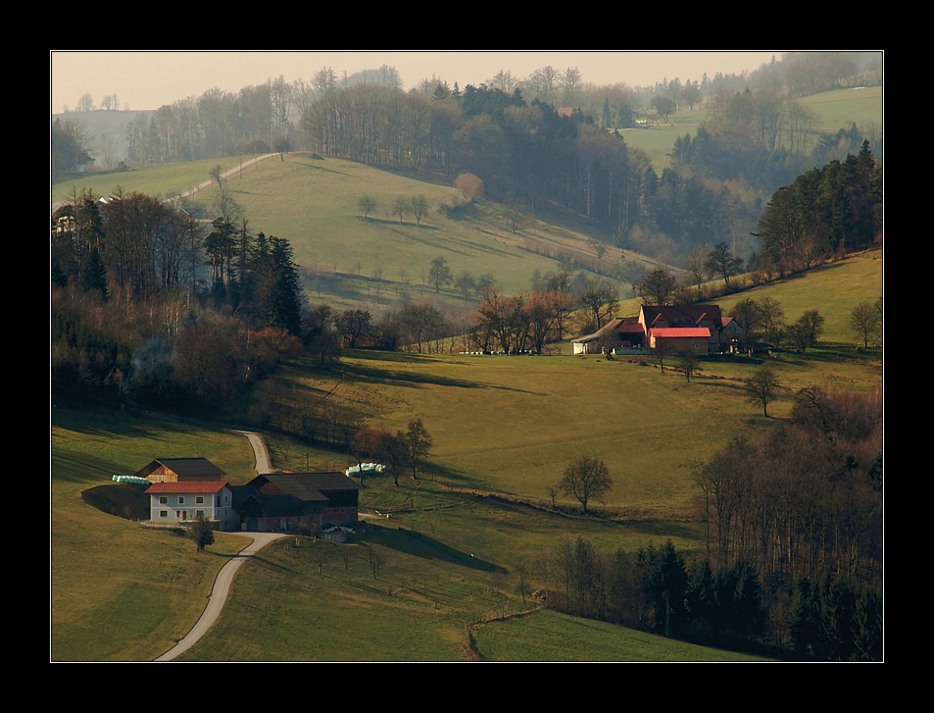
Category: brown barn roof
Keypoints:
(198, 486)
(294, 493)
(683, 315)
(191, 467)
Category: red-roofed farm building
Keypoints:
(183, 489)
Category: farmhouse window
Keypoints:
(163, 513)
(181, 499)
(199, 499)
(199, 513)
(163, 500)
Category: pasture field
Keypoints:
(439, 570)
(159, 181)
(511, 424)
(120, 592)
(838, 109)
(449, 556)
(377, 259)
(549, 635)
(834, 290)
(348, 260)
(503, 424)
(450, 552)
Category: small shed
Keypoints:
(176, 470)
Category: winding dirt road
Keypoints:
(225, 577)
(219, 594)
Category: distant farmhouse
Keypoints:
(680, 329)
(182, 489)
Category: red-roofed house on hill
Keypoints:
(681, 329)
(173, 503)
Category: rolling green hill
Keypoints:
(347, 259)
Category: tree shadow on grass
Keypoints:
(372, 374)
(448, 475)
(420, 545)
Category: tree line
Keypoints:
(671, 592)
(823, 213)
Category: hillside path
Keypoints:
(220, 591)
(227, 174)
(260, 452)
(225, 577)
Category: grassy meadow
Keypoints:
(857, 279)
(438, 574)
(351, 259)
(510, 424)
(348, 260)
(549, 636)
(160, 181)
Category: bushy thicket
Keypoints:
(159, 353)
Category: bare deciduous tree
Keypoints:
(586, 478)
(762, 388)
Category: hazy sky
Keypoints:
(149, 79)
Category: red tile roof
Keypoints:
(186, 487)
(672, 332)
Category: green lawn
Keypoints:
(549, 636)
(510, 424)
(445, 560)
(160, 181)
(834, 290)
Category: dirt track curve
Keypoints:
(225, 577)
